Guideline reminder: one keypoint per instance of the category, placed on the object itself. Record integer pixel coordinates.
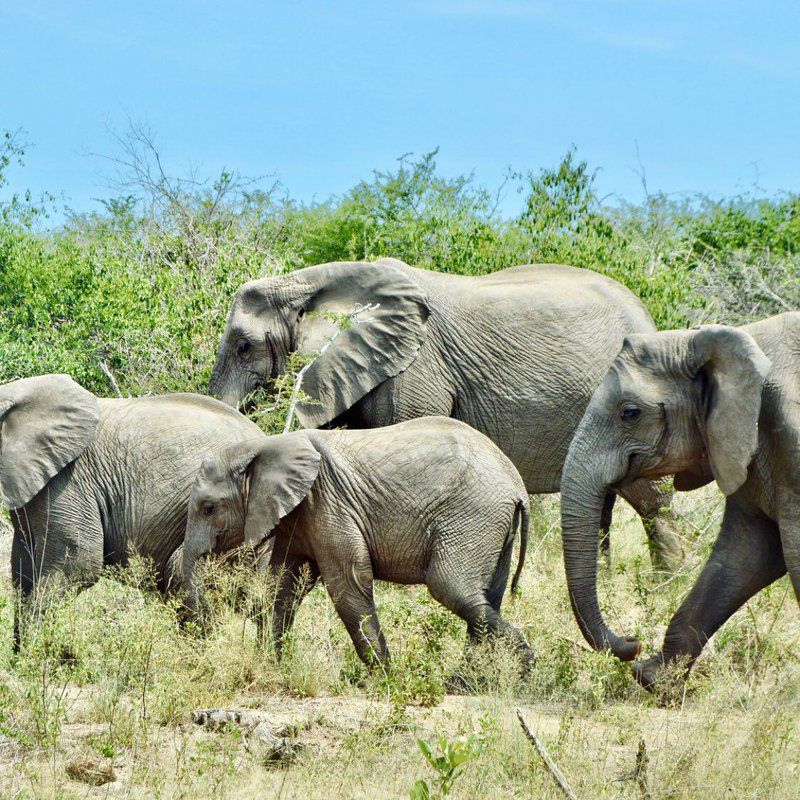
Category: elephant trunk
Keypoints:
(221, 385)
(195, 600)
(195, 548)
(583, 495)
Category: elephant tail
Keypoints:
(522, 519)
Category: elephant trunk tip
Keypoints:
(627, 648)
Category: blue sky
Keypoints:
(319, 94)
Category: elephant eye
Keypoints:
(300, 313)
(243, 347)
(209, 509)
(630, 413)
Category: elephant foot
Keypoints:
(646, 672)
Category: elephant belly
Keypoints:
(535, 439)
(400, 556)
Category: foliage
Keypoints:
(139, 290)
(448, 764)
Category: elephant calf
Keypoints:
(430, 501)
(90, 480)
(719, 403)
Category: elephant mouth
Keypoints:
(632, 471)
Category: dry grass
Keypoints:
(125, 697)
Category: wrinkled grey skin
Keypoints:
(90, 480)
(430, 501)
(718, 403)
(515, 354)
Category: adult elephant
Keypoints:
(515, 354)
(718, 403)
(90, 481)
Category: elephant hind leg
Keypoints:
(478, 610)
(652, 501)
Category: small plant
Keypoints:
(448, 764)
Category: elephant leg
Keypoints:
(789, 525)
(349, 581)
(44, 564)
(653, 504)
(297, 576)
(22, 574)
(746, 557)
(467, 601)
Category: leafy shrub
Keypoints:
(134, 297)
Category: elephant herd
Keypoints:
(428, 418)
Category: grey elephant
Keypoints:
(430, 501)
(718, 403)
(515, 354)
(90, 480)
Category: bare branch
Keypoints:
(545, 756)
(111, 379)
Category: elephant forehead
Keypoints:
(662, 353)
(257, 296)
(633, 380)
(213, 472)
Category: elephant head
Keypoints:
(683, 403)
(274, 317)
(45, 424)
(241, 494)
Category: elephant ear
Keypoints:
(279, 476)
(379, 344)
(735, 368)
(45, 423)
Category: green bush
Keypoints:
(139, 291)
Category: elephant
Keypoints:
(718, 403)
(515, 354)
(89, 480)
(429, 501)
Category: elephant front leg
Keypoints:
(22, 576)
(296, 576)
(789, 523)
(746, 557)
(606, 517)
(350, 585)
(653, 503)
